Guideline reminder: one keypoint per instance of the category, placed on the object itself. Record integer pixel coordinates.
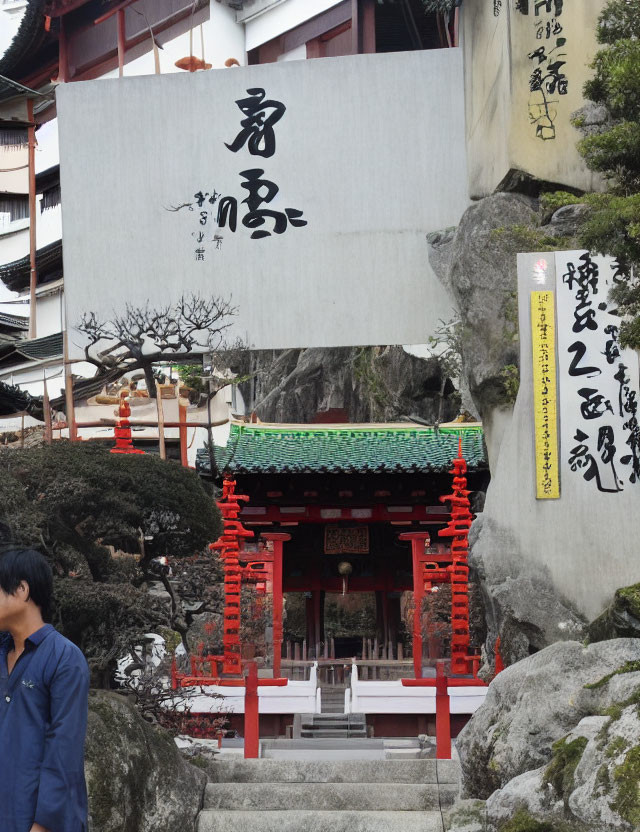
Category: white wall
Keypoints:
(49, 314)
(282, 17)
(372, 175)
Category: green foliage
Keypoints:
(615, 153)
(190, 375)
(71, 500)
(627, 667)
(613, 223)
(522, 821)
(560, 771)
(621, 619)
(551, 201)
(616, 747)
(627, 779)
(616, 80)
(510, 376)
(518, 238)
(620, 19)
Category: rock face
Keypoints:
(621, 619)
(362, 384)
(522, 608)
(478, 267)
(136, 778)
(534, 704)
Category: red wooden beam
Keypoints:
(419, 541)
(278, 539)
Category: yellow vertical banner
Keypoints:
(543, 334)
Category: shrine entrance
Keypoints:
(362, 530)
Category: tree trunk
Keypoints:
(150, 379)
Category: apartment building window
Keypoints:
(13, 207)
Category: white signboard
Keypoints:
(304, 191)
(600, 435)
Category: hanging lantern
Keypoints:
(344, 570)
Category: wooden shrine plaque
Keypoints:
(346, 541)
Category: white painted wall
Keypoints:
(372, 175)
(49, 314)
(297, 54)
(282, 17)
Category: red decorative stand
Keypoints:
(122, 430)
(229, 548)
(458, 531)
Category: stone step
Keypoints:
(360, 771)
(333, 723)
(327, 733)
(363, 797)
(312, 821)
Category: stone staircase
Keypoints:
(332, 699)
(330, 726)
(348, 796)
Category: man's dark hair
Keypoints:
(27, 565)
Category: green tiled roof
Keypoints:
(254, 449)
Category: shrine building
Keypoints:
(357, 510)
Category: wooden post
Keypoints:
(251, 714)
(33, 275)
(22, 430)
(182, 417)
(46, 408)
(443, 718)
(68, 389)
(160, 409)
(121, 41)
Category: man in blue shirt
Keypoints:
(44, 685)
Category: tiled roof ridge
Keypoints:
(360, 429)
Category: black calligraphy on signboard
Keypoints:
(599, 382)
(548, 81)
(216, 211)
(544, 388)
(497, 7)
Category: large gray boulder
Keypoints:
(136, 778)
(522, 606)
(596, 789)
(478, 266)
(536, 702)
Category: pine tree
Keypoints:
(613, 223)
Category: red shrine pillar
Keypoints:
(279, 539)
(458, 531)
(419, 540)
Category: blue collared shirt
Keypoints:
(43, 722)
